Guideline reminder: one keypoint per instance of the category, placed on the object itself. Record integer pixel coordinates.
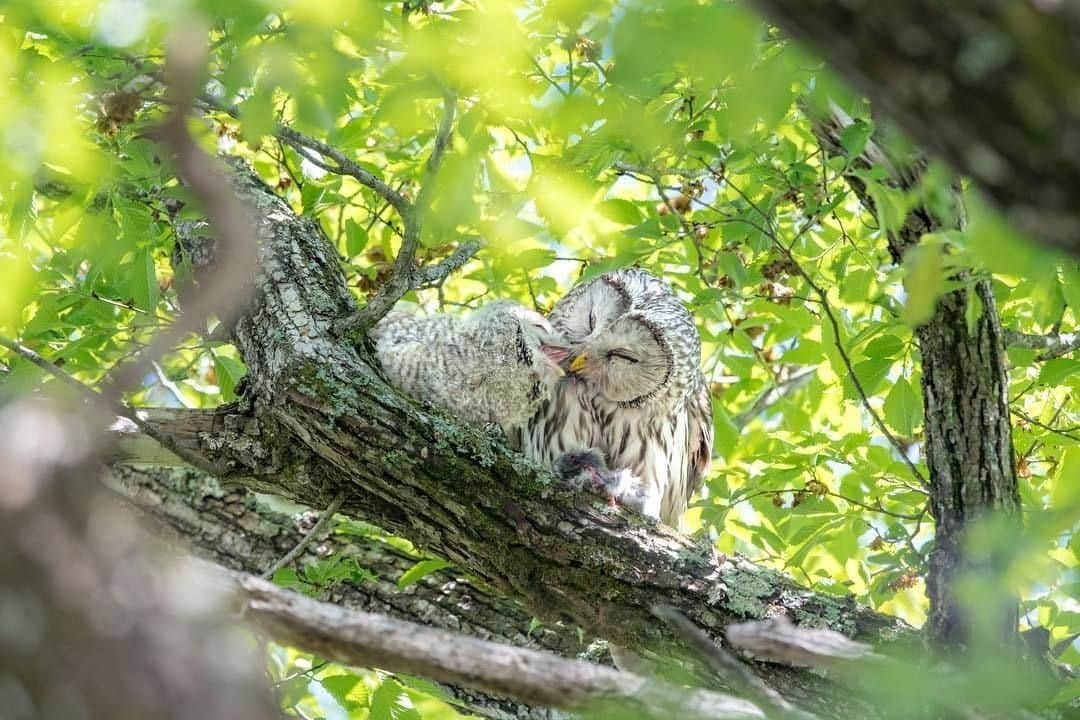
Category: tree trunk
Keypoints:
(968, 447)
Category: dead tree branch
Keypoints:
(534, 677)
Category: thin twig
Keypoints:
(548, 77)
(342, 165)
(50, 367)
(858, 503)
(773, 395)
(405, 275)
(318, 529)
(1050, 428)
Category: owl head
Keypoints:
(632, 339)
(512, 334)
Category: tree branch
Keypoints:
(1054, 345)
(437, 272)
(324, 422)
(773, 395)
(365, 639)
(404, 276)
(229, 527)
(969, 446)
(342, 165)
(84, 391)
(731, 669)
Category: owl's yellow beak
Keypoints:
(578, 363)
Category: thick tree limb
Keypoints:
(232, 529)
(366, 639)
(229, 527)
(981, 83)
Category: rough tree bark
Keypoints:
(968, 447)
(231, 528)
(317, 419)
(988, 85)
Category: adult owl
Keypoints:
(635, 391)
(496, 364)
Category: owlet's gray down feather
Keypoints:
(497, 364)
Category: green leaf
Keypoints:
(1070, 287)
(229, 372)
(533, 258)
(903, 410)
(703, 149)
(884, 346)
(349, 690)
(356, 238)
(817, 536)
(725, 434)
(257, 115)
(856, 285)
(853, 138)
(807, 352)
(421, 570)
(891, 205)
(391, 702)
(870, 374)
(924, 281)
(142, 282)
(420, 686)
(620, 211)
(1056, 371)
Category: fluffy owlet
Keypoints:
(496, 364)
(635, 391)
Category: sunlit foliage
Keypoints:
(589, 135)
